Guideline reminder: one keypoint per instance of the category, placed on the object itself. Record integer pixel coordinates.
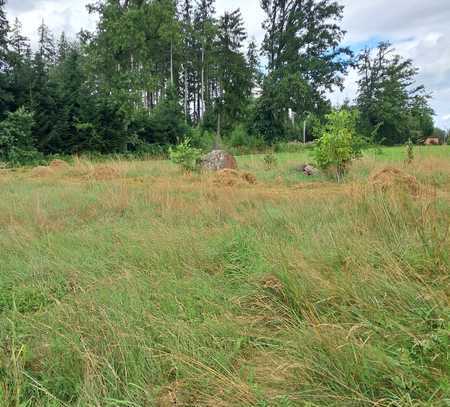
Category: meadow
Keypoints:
(129, 283)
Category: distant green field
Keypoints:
(288, 163)
(128, 283)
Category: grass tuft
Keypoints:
(130, 284)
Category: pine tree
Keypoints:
(5, 90)
(43, 92)
(63, 48)
(254, 65)
(205, 28)
(233, 73)
(20, 58)
(20, 44)
(68, 80)
(4, 30)
(46, 45)
(187, 64)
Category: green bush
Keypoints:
(293, 147)
(409, 152)
(146, 150)
(164, 125)
(239, 137)
(241, 141)
(202, 139)
(16, 142)
(185, 155)
(339, 143)
(270, 160)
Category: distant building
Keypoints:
(432, 141)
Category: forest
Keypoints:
(154, 72)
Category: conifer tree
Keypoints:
(20, 57)
(5, 91)
(233, 73)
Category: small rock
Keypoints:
(218, 160)
(307, 169)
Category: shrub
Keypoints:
(243, 142)
(409, 152)
(338, 144)
(293, 147)
(239, 137)
(145, 151)
(202, 139)
(164, 125)
(185, 155)
(270, 160)
(16, 142)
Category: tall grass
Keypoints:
(147, 287)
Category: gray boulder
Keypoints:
(307, 169)
(218, 160)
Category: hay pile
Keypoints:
(42, 172)
(47, 171)
(59, 165)
(272, 283)
(394, 179)
(231, 178)
(105, 173)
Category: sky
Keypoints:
(418, 29)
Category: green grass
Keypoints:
(155, 288)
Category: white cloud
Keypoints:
(60, 15)
(251, 11)
(418, 29)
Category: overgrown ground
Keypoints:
(130, 284)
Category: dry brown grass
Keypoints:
(167, 191)
(392, 178)
(233, 178)
(42, 172)
(106, 172)
(4, 175)
(59, 165)
(170, 289)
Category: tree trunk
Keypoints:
(217, 142)
(171, 62)
(304, 131)
(185, 95)
(202, 91)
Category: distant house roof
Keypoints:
(432, 141)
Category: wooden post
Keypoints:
(217, 142)
(304, 131)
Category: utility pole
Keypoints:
(171, 62)
(307, 114)
(304, 131)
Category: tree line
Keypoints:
(154, 71)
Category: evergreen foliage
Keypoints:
(154, 70)
(16, 143)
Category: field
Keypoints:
(128, 283)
